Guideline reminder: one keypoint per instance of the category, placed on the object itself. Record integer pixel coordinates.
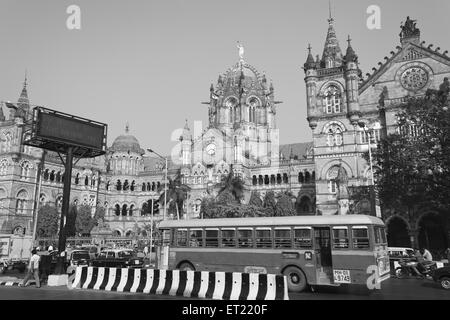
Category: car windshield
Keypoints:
(80, 255)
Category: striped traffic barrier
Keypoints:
(193, 284)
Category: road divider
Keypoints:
(194, 284)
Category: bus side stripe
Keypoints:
(156, 275)
(182, 282)
(228, 285)
(236, 286)
(262, 286)
(245, 286)
(197, 283)
(211, 285)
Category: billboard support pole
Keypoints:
(64, 211)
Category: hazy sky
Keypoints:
(151, 62)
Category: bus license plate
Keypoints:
(342, 276)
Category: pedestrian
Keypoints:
(33, 270)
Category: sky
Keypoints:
(151, 62)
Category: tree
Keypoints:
(70, 226)
(176, 193)
(415, 162)
(48, 221)
(233, 184)
(284, 206)
(84, 221)
(269, 203)
(255, 199)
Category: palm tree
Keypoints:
(233, 185)
(176, 193)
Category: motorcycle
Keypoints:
(406, 269)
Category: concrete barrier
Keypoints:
(194, 284)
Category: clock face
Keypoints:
(211, 149)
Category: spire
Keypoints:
(350, 55)
(309, 64)
(332, 54)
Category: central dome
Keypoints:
(126, 143)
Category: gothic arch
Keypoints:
(335, 162)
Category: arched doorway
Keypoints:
(397, 233)
(432, 233)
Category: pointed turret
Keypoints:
(332, 54)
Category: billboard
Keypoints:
(53, 130)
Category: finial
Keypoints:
(330, 19)
(25, 81)
(127, 127)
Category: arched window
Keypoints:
(117, 210)
(3, 167)
(124, 210)
(332, 176)
(332, 100)
(130, 211)
(21, 201)
(334, 135)
(25, 170)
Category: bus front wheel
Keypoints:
(186, 266)
(296, 279)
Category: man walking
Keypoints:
(33, 270)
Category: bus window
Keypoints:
(380, 235)
(340, 237)
(228, 238)
(196, 238)
(263, 238)
(302, 238)
(283, 238)
(212, 237)
(181, 238)
(245, 238)
(360, 236)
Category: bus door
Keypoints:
(322, 249)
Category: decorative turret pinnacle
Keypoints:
(350, 55)
(332, 54)
(309, 64)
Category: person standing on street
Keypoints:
(33, 270)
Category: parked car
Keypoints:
(78, 258)
(442, 276)
(118, 258)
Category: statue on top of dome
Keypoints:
(241, 51)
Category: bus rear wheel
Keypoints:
(186, 266)
(296, 279)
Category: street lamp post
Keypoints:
(165, 181)
(367, 134)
